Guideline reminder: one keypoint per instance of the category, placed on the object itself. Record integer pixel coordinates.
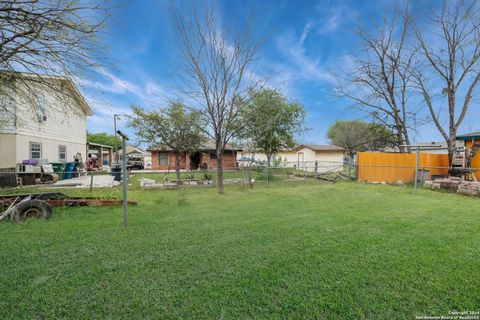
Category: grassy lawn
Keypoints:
(327, 251)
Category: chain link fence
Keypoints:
(257, 174)
(254, 174)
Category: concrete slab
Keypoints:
(84, 181)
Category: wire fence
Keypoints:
(256, 174)
(31, 176)
(18, 187)
(30, 190)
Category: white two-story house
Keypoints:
(41, 119)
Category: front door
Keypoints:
(195, 160)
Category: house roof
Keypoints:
(129, 149)
(210, 146)
(67, 81)
(469, 136)
(99, 145)
(319, 147)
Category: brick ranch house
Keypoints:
(204, 158)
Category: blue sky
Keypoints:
(306, 42)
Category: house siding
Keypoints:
(328, 160)
(49, 148)
(63, 120)
(8, 148)
(65, 125)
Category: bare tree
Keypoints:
(382, 78)
(214, 71)
(46, 39)
(450, 69)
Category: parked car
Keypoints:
(135, 163)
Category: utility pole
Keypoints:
(124, 176)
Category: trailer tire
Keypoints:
(31, 208)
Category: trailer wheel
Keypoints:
(31, 208)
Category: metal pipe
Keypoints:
(124, 177)
(417, 156)
(91, 182)
(115, 116)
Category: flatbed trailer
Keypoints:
(58, 199)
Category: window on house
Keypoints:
(35, 150)
(40, 107)
(62, 153)
(213, 155)
(162, 158)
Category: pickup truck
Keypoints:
(135, 163)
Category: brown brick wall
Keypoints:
(229, 161)
(170, 161)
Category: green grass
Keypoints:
(331, 251)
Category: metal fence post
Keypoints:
(316, 168)
(417, 154)
(91, 182)
(305, 172)
(349, 161)
(124, 176)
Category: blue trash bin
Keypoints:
(70, 170)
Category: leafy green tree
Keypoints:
(271, 122)
(360, 136)
(172, 128)
(103, 138)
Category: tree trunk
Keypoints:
(177, 167)
(451, 146)
(452, 129)
(269, 156)
(400, 128)
(220, 188)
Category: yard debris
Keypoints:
(470, 188)
(455, 184)
(99, 181)
(27, 207)
(37, 204)
(333, 176)
(30, 209)
(146, 182)
(174, 183)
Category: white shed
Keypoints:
(304, 156)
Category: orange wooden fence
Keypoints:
(475, 160)
(391, 167)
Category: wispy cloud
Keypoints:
(330, 17)
(111, 83)
(110, 94)
(298, 65)
(305, 32)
